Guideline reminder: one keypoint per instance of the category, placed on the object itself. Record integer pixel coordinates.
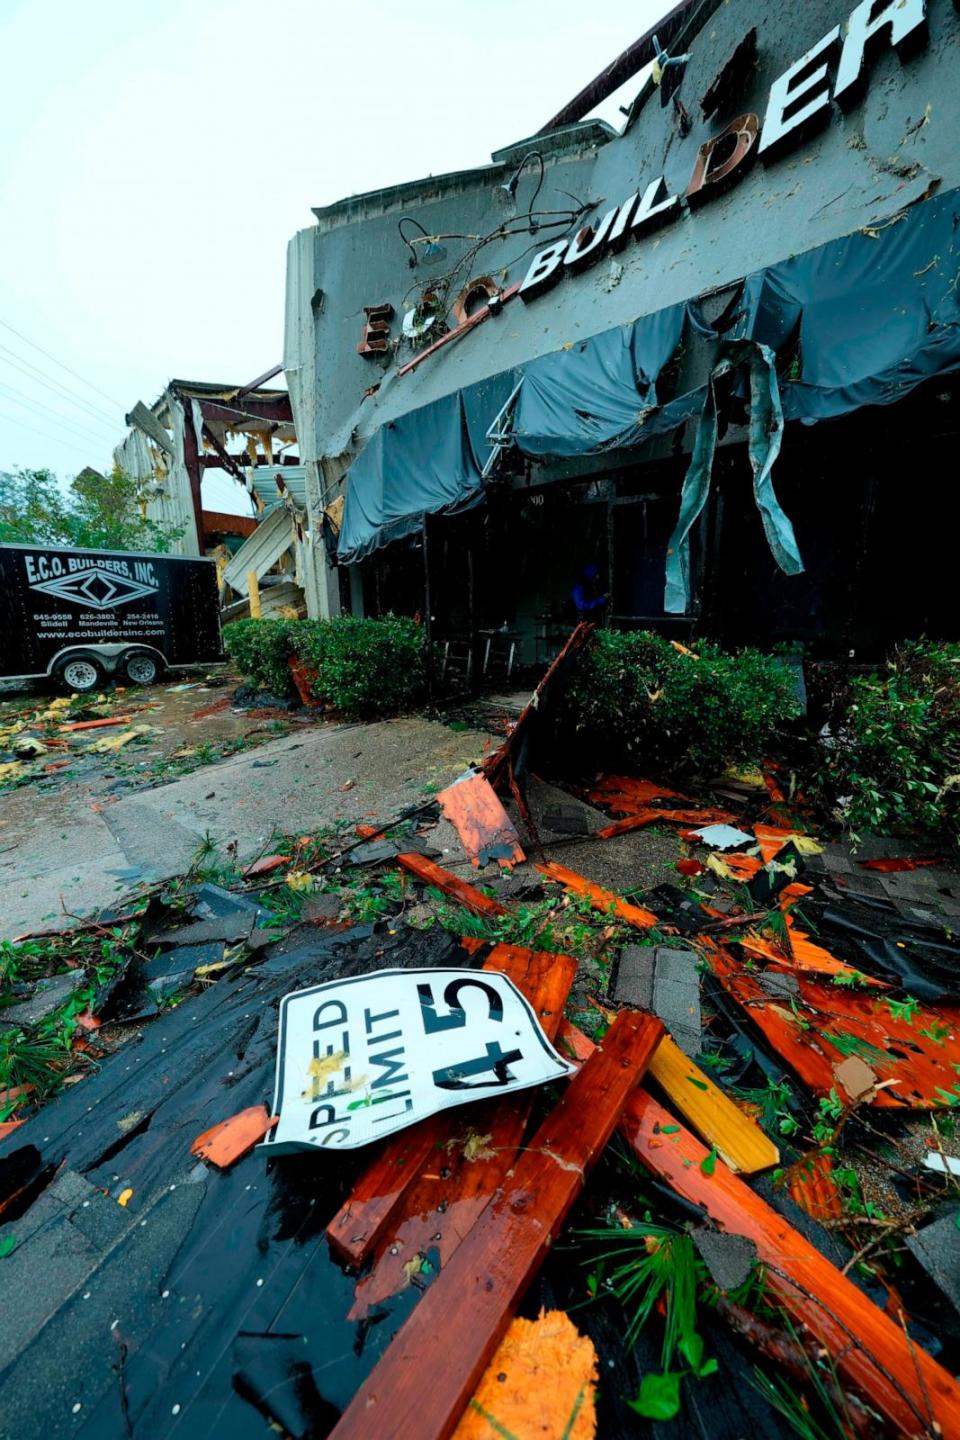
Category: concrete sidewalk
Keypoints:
(61, 861)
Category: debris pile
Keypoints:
(39, 740)
(741, 1202)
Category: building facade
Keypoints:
(697, 375)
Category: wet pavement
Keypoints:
(76, 841)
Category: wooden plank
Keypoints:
(484, 827)
(600, 899)
(738, 1140)
(432, 1367)
(624, 795)
(375, 1200)
(639, 818)
(432, 874)
(871, 1352)
(235, 1137)
(917, 1053)
(457, 1181)
(804, 954)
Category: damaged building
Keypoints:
(247, 433)
(679, 377)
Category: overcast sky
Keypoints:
(157, 155)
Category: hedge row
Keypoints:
(635, 699)
(359, 667)
(891, 760)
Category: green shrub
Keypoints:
(365, 667)
(362, 667)
(891, 764)
(635, 699)
(260, 650)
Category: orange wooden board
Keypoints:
(737, 1138)
(804, 955)
(639, 818)
(540, 1382)
(484, 827)
(623, 794)
(603, 900)
(870, 1350)
(921, 1065)
(376, 1199)
(425, 1378)
(229, 1141)
(457, 1181)
(432, 874)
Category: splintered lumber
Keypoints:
(913, 1047)
(624, 795)
(431, 874)
(600, 899)
(229, 1141)
(540, 1381)
(484, 827)
(480, 1145)
(425, 1378)
(638, 818)
(378, 1195)
(872, 1353)
(737, 1139)
(804, 955)
(95, 724)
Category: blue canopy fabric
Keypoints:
(598, 394)
(874, 314)
(765, 437)
(421, 463)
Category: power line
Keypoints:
(47, 412)
(26, 366)
(15, 419)
(89, 383)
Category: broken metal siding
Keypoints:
(164, 482)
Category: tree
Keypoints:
(96, 512)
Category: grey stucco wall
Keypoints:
(866, 164)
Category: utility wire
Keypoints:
(57, 439)
(26, 366)
(89, 383)
(46, 412)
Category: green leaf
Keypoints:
(7, 1246)
(709, 1162)
(691, 1348)
(700, 1084)
(659, 1397)
(669, 1129)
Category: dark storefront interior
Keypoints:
(869, 496)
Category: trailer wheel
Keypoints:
(140, 667)
(80, 674)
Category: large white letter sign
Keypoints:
(905, 19)
(805, 81)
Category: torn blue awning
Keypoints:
(420, 463)
(871, 315)
(596, 394)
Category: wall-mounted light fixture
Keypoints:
(510, 186)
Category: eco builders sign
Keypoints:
(835, 68)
